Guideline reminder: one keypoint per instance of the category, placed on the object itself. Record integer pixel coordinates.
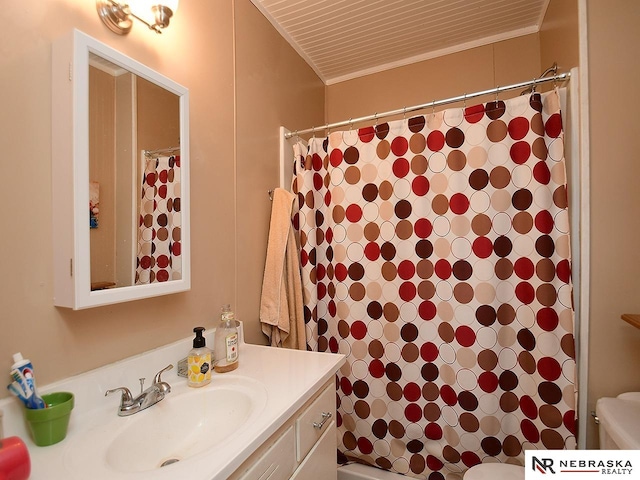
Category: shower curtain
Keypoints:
(435, 256)
(159, 249)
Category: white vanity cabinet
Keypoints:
(303, 448)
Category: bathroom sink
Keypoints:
(188, 422)
(187, 425)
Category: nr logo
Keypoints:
(542, 465)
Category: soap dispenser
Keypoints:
(226, 342)
(199, 361)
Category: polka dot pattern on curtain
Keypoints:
(436, 256)
(159, 232)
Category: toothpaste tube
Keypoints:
(17, 390)
(22, 373)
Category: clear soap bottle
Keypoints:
(225, 345)
(199, 361)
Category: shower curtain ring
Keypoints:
(464, 101)
(497, 91)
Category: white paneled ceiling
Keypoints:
(343, 39)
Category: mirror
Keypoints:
(120, 148)
(134, 131)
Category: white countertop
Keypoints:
(289, 377)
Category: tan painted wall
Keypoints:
(469, 71)
(614, 101)
(228, 255)
(158, 116)
(559, 35)
(274, 87)
(196, 51)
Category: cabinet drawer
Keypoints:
(321, 461)
(277, 463)
(312, 423)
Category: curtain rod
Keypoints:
(151, 153)
(459, 98)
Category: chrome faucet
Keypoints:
(147, 398)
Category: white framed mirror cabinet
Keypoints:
(120, 173)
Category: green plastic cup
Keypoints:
(49, 425)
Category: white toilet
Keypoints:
(619, 420)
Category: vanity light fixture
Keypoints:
(119, 16)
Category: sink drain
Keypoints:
(169, 462)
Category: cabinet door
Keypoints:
(314, 421)
(321, 462)
(277, 463)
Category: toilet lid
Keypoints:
(495, 471)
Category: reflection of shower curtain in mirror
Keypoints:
(159, 242)
(435, 255)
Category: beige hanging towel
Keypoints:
(281, 309)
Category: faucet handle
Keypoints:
(126, 399)
(157, 378)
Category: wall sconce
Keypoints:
(118, 16)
